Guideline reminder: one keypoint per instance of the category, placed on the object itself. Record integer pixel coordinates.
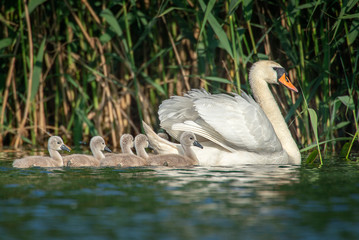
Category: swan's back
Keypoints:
(80, 160)
(123, 160)
(97, 145)
(36, 161)
(170, 160)
(126, 158)
(233, 122)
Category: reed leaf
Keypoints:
(153, 83)
(324, 142)
(218, 79)
(314, 121)
(112, 21)
(6, 42)
(220, 33)
(36, 77)
(207, 13)
(312, 156)
(354, 30)
(247, 9)
(347, 101)
(34, 4)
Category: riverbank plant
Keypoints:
(81, 68)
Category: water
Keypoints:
(246, 202)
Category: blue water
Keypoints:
(244, 202)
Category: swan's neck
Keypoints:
(97, 153)
(265, 99)
(56, 156)
(141, 152)
(189, 153)
(126, 148)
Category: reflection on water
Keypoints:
(244, 202)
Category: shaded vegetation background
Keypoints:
(82, 68)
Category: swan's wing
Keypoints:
(233, 122)
(207, 133)
(160, 145)
(240, 121)
(179, 109)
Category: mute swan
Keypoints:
(97, 145)
(172, 160)
(54, 144)
(234, 129)
(125, 159)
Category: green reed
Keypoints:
(103, 67)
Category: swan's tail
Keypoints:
(159, 145)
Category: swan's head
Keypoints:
(56, 143)
(126, 140)
(98, 143)
(189, 139)
(141, 141)
(270, 72)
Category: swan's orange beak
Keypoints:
(284, 79)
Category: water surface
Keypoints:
(244, 202)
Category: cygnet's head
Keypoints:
(98, 143)
(56, 143)
(141, 140)
(271, 72)
(189, 139)
(126, 140)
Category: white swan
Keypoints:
(54, 144)
(97, 145)
(233, 129)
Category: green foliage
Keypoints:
(36, 76)
(314, 121)
(101, 67)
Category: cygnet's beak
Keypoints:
(197, 144)
(65, 148)
(284, 79)
(107, 149)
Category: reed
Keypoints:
(82, 68)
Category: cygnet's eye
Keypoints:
(58, 143)
(191, 138)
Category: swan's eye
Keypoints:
(280, 72)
